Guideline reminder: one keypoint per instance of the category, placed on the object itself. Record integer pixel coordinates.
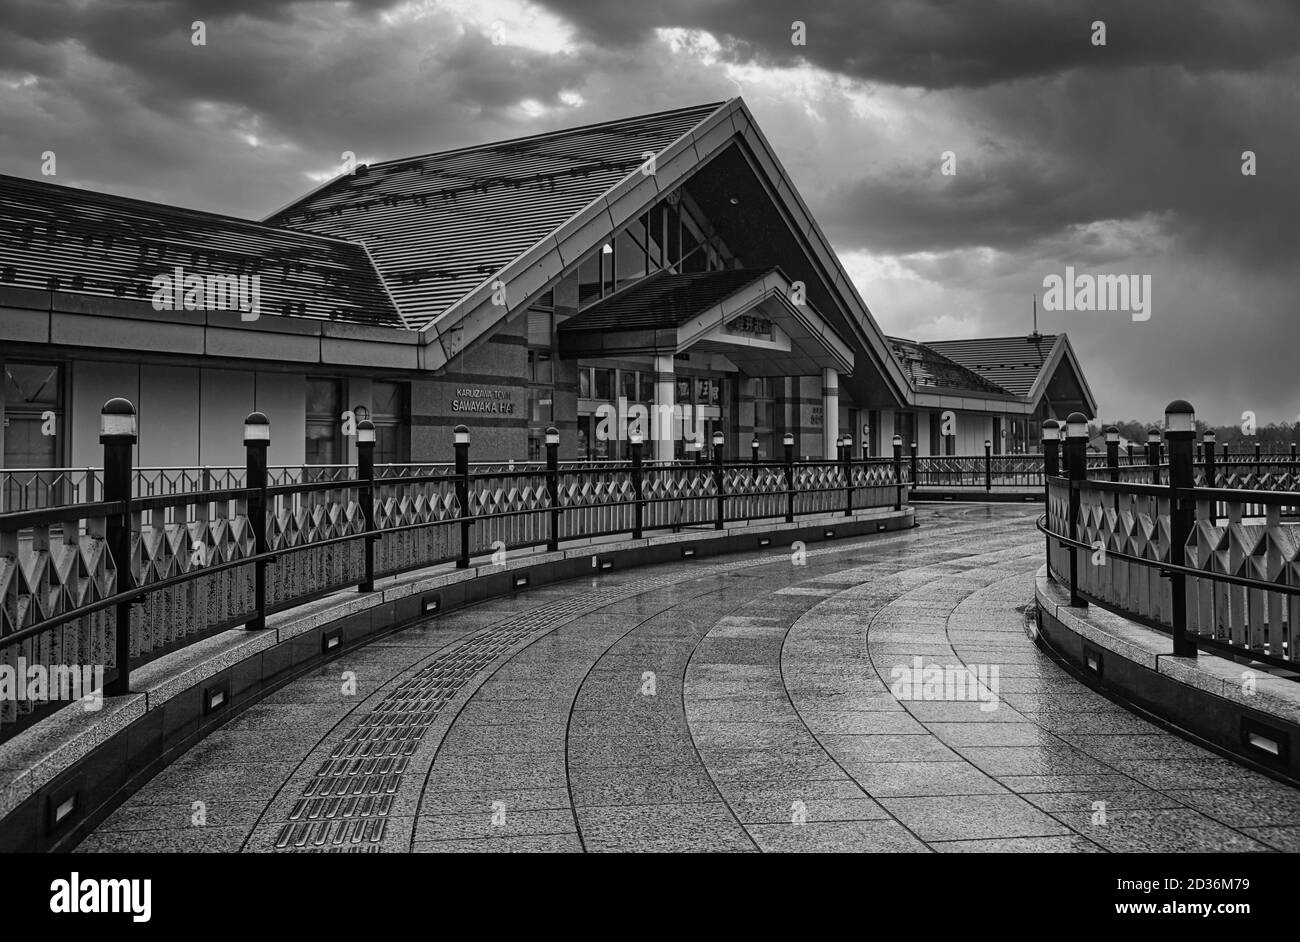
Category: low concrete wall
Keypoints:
(1248, 714)
(63, 776)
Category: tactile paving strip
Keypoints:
(344, 806)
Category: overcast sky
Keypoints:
(1117, 159)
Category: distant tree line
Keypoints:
(1274, 437)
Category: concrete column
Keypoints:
(663, 428)
(830, 413)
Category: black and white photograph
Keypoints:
(541, 426)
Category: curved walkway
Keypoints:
(818, 700)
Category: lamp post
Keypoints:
(257, 439)
(638, 506)
(846, 460)
(787, 442)
(1180, 430)
(1112, 451)
(118, 433)
(1211, 472)
(1051, 468)
(553, 485)
(1076, 448)
(366, 478)
(719, 485)
(460, 440)
(898, 472)
(988, 465)
(914, 481)
(753, 450)
(1153, 454)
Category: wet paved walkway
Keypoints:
(753, 702)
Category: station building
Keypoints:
(664, 262)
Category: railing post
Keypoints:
(846, 459)
(638, 506)
(1129, 449)
(553, 485)
(117, 433)
(1112, 452)
(1076, 450)
(898, 472)
(366, 479)
(1153, 454)
(1211, 476)
(988, 465)
(1051, 468)
(1180, 430)
(460, 439)
(914, 481)
(787, 442)
(257, 438)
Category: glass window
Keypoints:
(647, 381)
(605, 385)
(324, 417)
(589, 279)
(683, 390)
(539, 367)
(30, 391)
(392, 422)
(629, 255)
(654, 237)
(674, 246)
(627, 384)
(584, 383)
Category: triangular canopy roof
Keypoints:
(745, 315)
(443, 229)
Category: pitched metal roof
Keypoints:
(662, 300)
(439, 225)
(925, 367)
(59, 238)
(1013, 363)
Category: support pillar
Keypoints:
(830, 413)
(663, 427)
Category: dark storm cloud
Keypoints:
(1085, 148)
(940, 44)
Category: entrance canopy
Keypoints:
(757, 319)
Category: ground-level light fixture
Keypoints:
(1112, 435)
(1051, 431)
(552, 436)
(365, 432)
(460, 435)
(1076, 425)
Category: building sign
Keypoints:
(483, 400)
(750, 325)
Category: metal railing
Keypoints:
(1218, 568)
(122, 581)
